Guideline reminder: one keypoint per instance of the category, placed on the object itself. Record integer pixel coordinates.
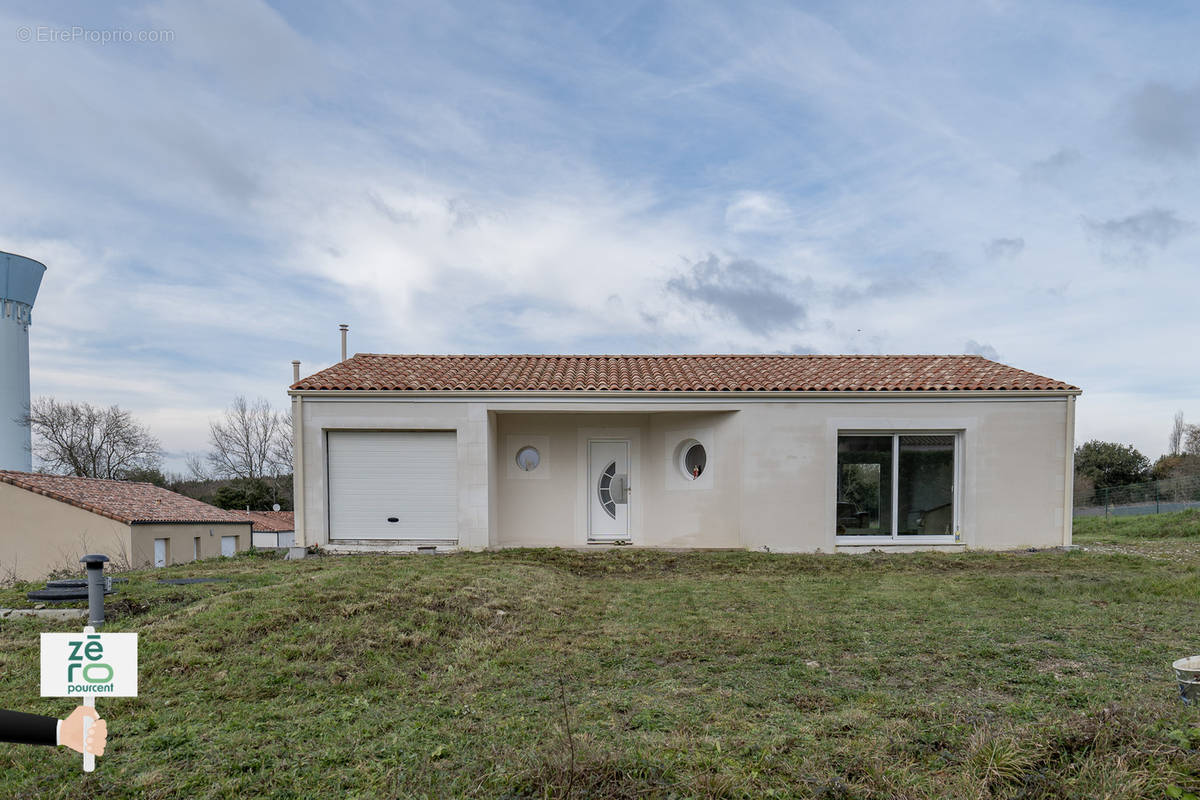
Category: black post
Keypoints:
(95, 579)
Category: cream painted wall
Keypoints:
(1014, 457)
(771, 476)
(181, 537)
(39, 535)
(705, 512)
(469, 420)
(493, 471)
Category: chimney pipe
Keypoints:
(295, 371)
(343, 328)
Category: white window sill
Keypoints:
(885, 541)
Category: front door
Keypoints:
(228, 545)
(608, 490)
(160, 552)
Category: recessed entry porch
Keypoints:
(658, 479)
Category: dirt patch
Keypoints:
(1175, 551)
(1062, 668)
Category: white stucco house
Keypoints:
(764, 452)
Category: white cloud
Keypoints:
(756, 211)
(975, 348)
(246, 44)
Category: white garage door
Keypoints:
(395, 485)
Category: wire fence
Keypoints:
(1153, 497)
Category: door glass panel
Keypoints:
(864, 504)
(604, 490)
(926, 486)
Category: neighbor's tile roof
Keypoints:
(123, 501)
(272, 521)
(710, 373)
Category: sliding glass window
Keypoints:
(864, 505)
(896, 485)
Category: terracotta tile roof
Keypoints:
(687, 373)
(123, 501)
(272, 521)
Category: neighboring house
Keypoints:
(272, 528)
(764, 452)
(48, 521)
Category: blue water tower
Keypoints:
(20, 278)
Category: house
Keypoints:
(764, 452)
(48, 521)
(272, 528)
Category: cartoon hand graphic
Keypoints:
(71, 734)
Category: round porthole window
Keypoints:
(528, 458)
(692, 459)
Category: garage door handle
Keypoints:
(393, 519)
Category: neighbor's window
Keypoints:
(528, 458)
(895, 485)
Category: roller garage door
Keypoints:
(395, 486)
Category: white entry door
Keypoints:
(228, 545)
(608, 490)
(160, 552)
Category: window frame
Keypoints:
(537, 454)
(895, 537)
(682, 451)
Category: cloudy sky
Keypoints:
(220, 187)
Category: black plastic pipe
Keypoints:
(95, 583)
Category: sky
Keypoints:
(215, 185)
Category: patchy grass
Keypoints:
(1016, 675)
(1176, 525)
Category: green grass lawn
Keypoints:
(1021, 675)
(1179, 525)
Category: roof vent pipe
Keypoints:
(295, 371)
(343, 328)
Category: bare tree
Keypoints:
(1177, 431)
(196, 470)
(1191, 437)
(281, 451)
(81, 439)
(251, 441)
